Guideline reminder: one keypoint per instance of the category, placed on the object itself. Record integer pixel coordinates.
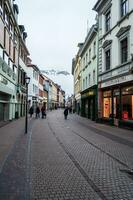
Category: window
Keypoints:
(124, 7)
(94, 48)
(6, 58)
(127, 103)
(89, 79)
(124, 50)
(14, 69)
(84, 62)
(6, 17)
(107, 59)
(1, 8)
(107, 104)
(86, 58)
(86, 82)
(89, 54)
(11, 28)
(15, 37)
(1, 52)
(107, 21)
(83, 84)
(94, 77)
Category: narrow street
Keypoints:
(73, 159)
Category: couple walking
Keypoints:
(42, 110)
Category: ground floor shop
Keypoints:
(8, 106)
(117, 105)
(89, 103)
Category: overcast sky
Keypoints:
(54, 28)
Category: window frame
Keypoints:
(123, 7)
(122, 59)
(106, 66)
(108, 20)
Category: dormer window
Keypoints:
(124, 7)
(107, 21)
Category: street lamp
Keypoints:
(27, 81)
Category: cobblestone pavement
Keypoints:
(78, 159)
(74, 159)
(14, 163)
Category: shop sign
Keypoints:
(125, 115)
(117, 81)
(34, 98)
(87, 94)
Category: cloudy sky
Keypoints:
(54, 28)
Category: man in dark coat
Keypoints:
(43, 110)
(31, 111)
(37, 112)
(65, 113)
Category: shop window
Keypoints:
(107, 107)
(107, 104)
(127, 103)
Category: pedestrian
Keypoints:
(43, 110)
(37, 112)
(31, 111)
(65, 113)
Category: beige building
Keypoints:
(54, 96)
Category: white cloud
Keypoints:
(54, 29)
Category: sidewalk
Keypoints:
(8, 136)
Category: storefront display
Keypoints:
(127, 103)
(107, 104)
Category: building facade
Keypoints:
(12, 41)
(76, 72)
(115, 66)
(33, 88)
(88, 55)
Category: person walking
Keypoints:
(31, 111)
(65, 113)
(37, 112)
(43, 110)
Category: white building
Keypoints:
(88, 55)
(115, 63)
(33, 87)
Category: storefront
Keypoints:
(4, 106)
(89, 103)
(117, 105)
